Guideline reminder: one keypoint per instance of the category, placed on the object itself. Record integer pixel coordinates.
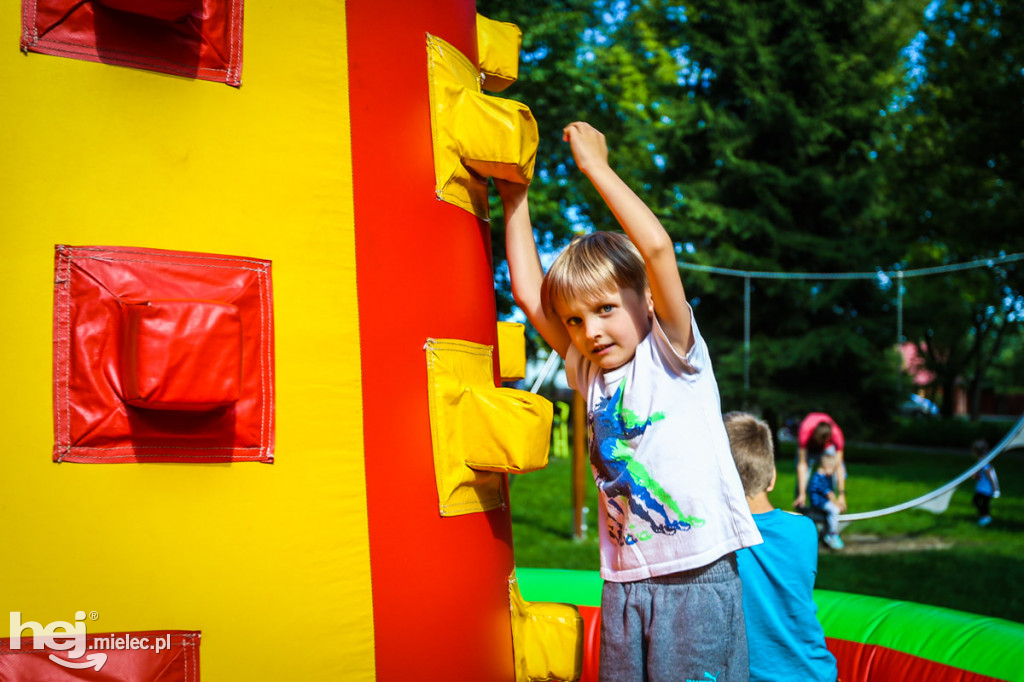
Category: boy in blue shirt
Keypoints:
(987, 486)
(785, 639)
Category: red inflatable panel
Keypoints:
(450, 618)
(162, 356)
(192, 38)
(863, 662)
(591, 642)
(177, 659)
(166, 10)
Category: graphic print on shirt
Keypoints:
(626, 483)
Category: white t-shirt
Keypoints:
(670, 496)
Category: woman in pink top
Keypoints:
(818, 434)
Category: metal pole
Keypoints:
(579, 464)
(899, 325)
(746, 333)
(899, 307)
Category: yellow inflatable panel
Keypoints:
(498, 45)
(474, 136)
(507, 149)
(255, 556)
(511, 351)
(479, 431)
(547, 638)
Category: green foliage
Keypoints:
(749, 127)
(925, 431)
(956, 167)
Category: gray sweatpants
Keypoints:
(676, 628)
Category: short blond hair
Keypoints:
(751, 441)
(592, 265)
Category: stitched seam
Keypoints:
(230, 18)
(58, 396)
(66, 354)
(234, 68)
(221, 458)
(28, 23)
(197, 256)
(158, 262)
(67, 350)
(263, 380)
(458, 345)
(165, 447)
(268, 346)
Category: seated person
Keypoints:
(817, 435)
(785, 639)
(819, 489)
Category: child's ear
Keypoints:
(650, 302)
(771, 484)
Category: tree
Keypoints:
(956, 170)
(751, 128)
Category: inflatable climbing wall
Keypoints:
(252, 429)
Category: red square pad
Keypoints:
(162, 356)
(191, 38)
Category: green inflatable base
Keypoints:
(979, 644)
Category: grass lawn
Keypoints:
(943, 560)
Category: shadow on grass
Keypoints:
(959, 578)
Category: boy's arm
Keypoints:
(524, 265)
(643, 228)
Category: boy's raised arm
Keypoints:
(524, 265)
(644, 230)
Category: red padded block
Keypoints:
(166, 10)
(192, 38)
(177, 660)
(180, 355)
(162, 356)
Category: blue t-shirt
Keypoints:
(818, 489)
(784, 637)
(984, 483)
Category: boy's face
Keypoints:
(607, 329)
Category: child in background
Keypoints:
(987, 486)
(671, 505)
(819, 433)
(819, 489)
(786, 640)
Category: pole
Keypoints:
(899, 325)
(579, 464)
(746, 333)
